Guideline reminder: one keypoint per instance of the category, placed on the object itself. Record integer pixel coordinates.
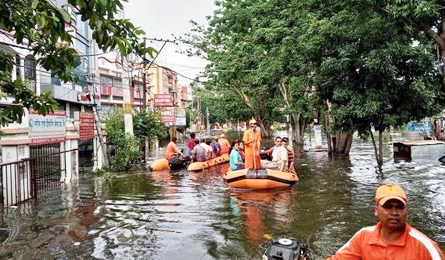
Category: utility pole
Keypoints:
(208, 119)
(98, 125)
(128, 109)
(144, 104)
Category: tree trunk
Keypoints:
(377, 151)
(380, 160)
(298, 137)
(328, 134)
(265, 129)
(342, 143)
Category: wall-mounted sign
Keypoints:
(180, 117)
(47, 129)
(163, 100)
(86, 128)
(128, 108)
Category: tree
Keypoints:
(370, 69)
(252, 49)
(40, 24)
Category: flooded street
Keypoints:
(182, 215)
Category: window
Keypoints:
(18, 66)
(30, 72)
(30, 67)
(118, 98)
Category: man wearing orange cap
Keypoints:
(392, 238)
(252, 143)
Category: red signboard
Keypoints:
(163, 100)
(86, 130)
(168, 115)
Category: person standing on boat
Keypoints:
(392, 238)
(191, 143)
(224, 144)
(236, 162)
(252, 143)
(172, 149)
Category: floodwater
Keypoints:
(182, 215)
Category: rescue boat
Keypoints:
(159, 165)
(198, 166)
(257, 179)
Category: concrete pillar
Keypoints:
(71, 159)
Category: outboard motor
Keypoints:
(286, 249)
(176, 162)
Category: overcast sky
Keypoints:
(161, 19)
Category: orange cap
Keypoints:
(252, 121)
(389, 191)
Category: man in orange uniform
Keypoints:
(224, 143)
(252, 143)
(392, 238)
(171, 149)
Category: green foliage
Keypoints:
(148, 124)
(127, 153)
(40, 24)
(99, 171)
(126, 146)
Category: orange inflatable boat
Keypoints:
(198, 166)
(257, 179)
(159, 165)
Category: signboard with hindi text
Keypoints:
(168, 115)
(86, 127)
(46, 129)
(163, 100)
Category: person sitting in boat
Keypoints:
(208, 148)
(216, 148)
(172, 149)
(290, 154)
(279, 156)
(241, 151)
(236, 162)
(224, 143)
(198, 152)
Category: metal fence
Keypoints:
(18, 182)
(23, 180)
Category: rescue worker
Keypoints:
(392, 238)
(252, 143)
(172, 149)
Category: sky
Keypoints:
(161, 19)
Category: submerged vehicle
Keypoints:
(286, 249)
